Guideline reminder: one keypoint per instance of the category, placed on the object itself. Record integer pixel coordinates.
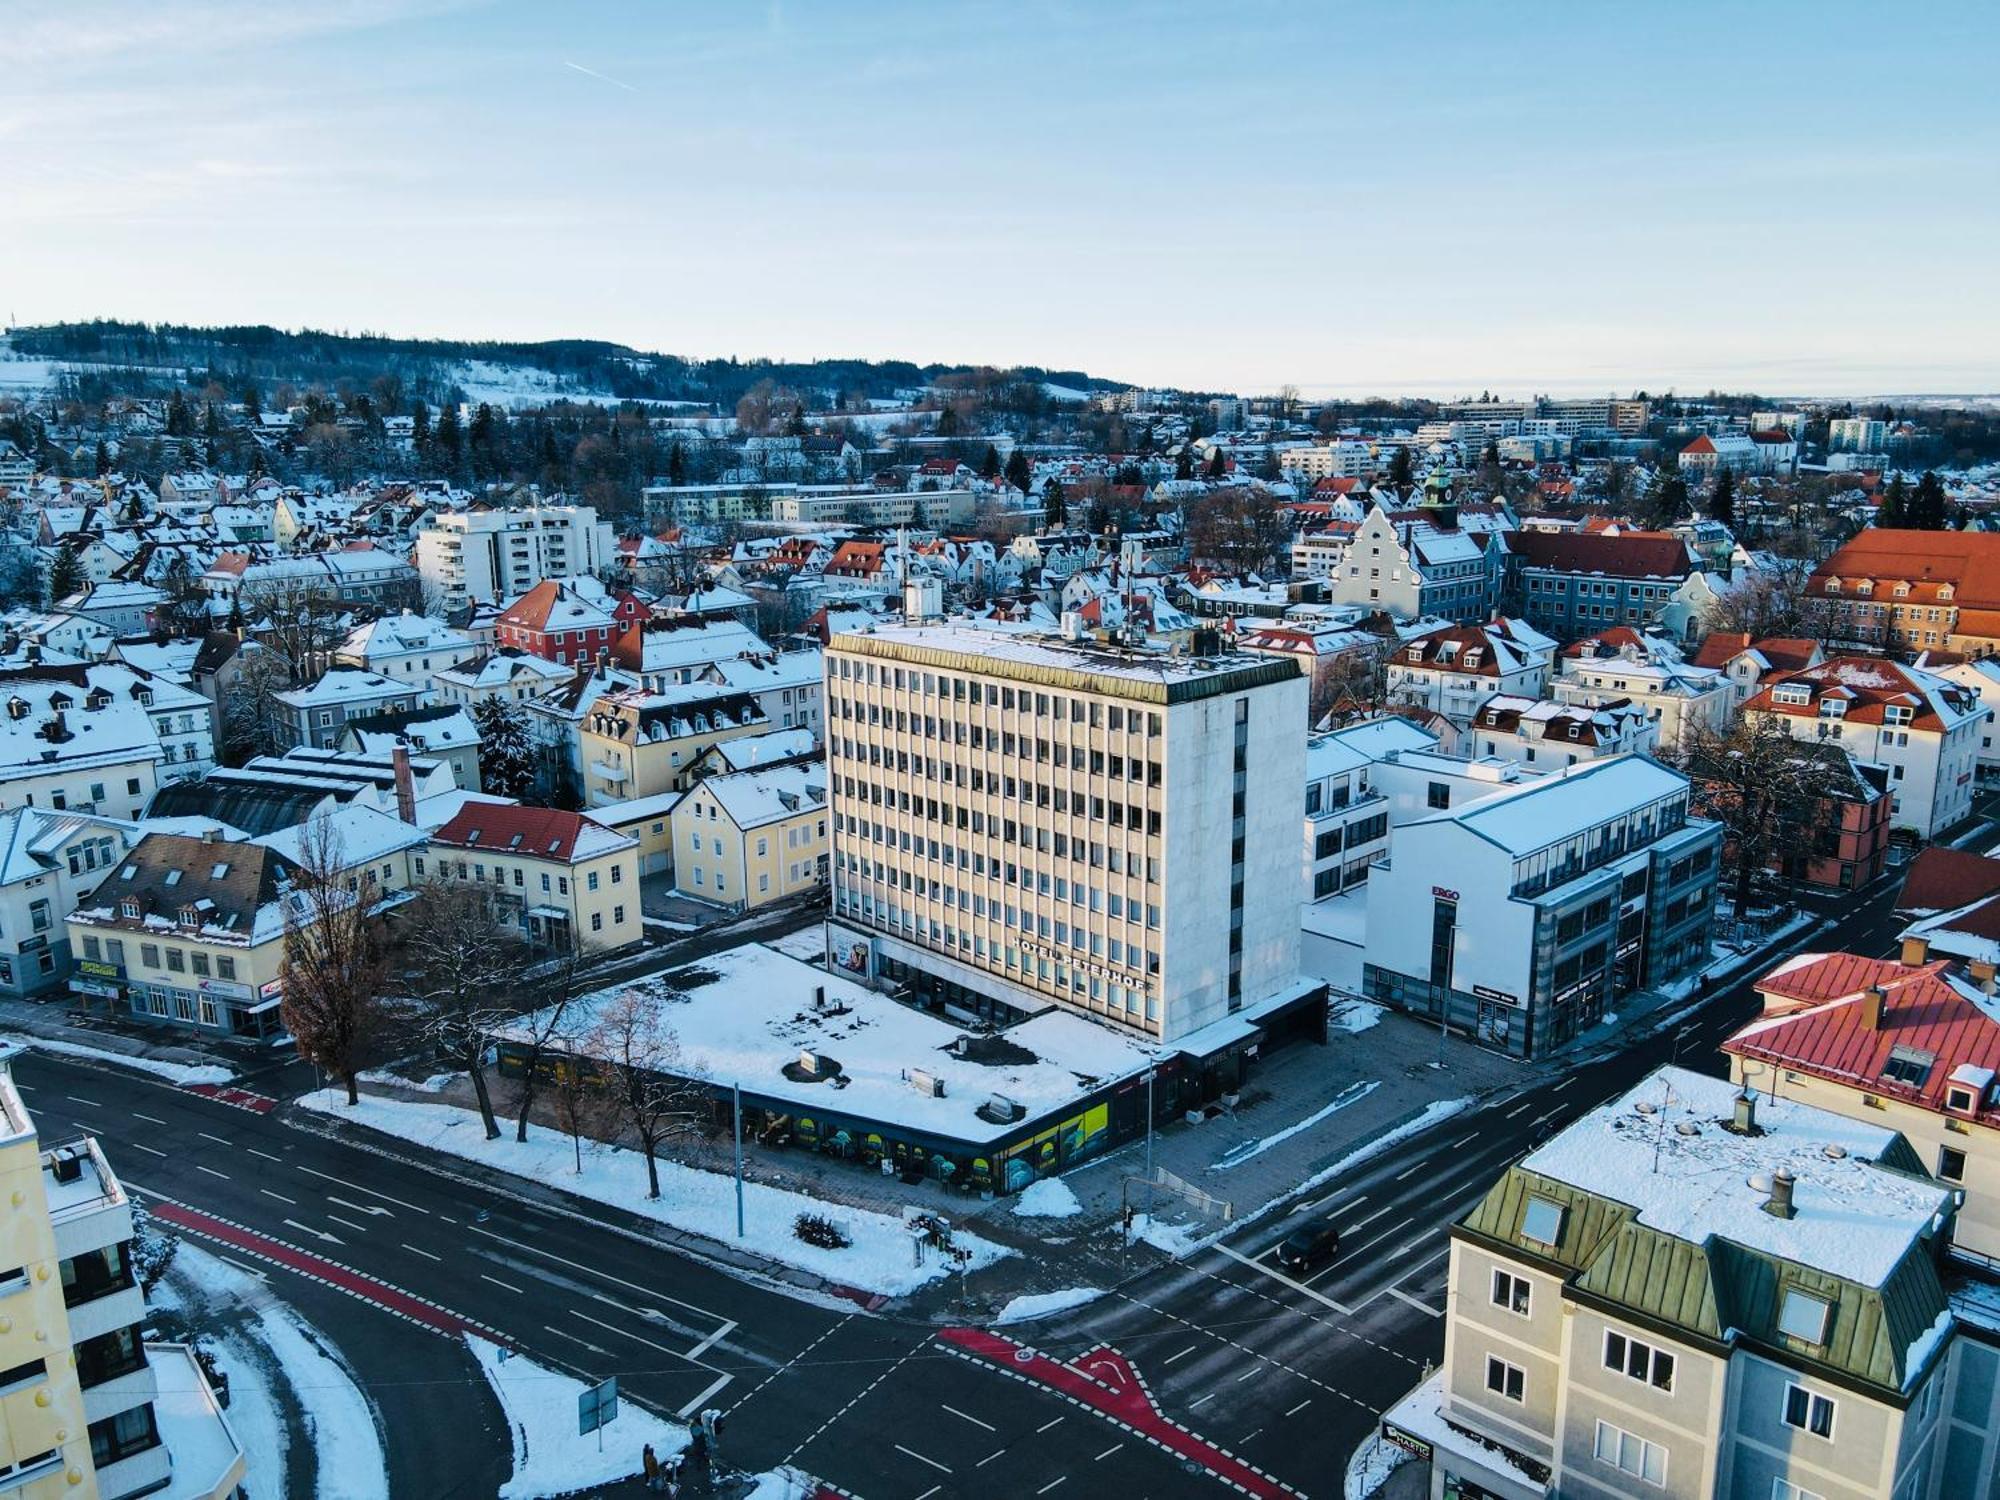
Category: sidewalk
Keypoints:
(185, 1057)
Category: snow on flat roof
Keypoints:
(1561, 806)
(1854, 1219)
(991, 646)
(747, 1012)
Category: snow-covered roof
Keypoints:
(360, 835)
(759, 675)
(501, 668)
(1561, 806)
(49, 723)
(342, 685)
(750, 750)
(744, 1014)
(751, 798)
(1376, 739)
(31, 837)
(1660, 1148)
(399, 635)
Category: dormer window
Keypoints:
(1803, 1316)
(1960, 1100)
(1832, 586)
(129, 909)
(1944, 591)
(1897, 713)
(1902, 591)
(1832, 708)
(190, 916)
(1864, 588)
(1796, 694)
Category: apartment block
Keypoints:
(1021, 818)
(746, 838)
(488, 556)
(1694, 1292)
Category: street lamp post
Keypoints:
(1444, 1000)
(736, 1102)
(1150, 1075)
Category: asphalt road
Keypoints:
(1285, 1373)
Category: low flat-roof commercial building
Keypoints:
(1519, 918)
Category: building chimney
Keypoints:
(1874, 1002)
(406, 786)
(1744, 1119)
(1982, 970)
(1916, 952)
(1779, 1204)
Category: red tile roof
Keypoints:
(1942, 879)
(1967, 560)
(1722, 647)
(545, 832)
(1870, 686)
(1644, 555)
(1924, 1011)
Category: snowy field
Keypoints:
(696, 1202)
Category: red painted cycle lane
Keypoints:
(1106, 1382)
(354, 1283)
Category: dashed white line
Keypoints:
(1052, 1484)
(941, 1468)
(149, 1119)
(225, 1140)
(211, 1171)
(1183, 1354)
(1411, 1171)
(265, 1154)
(1371, 1218)
(969, 1417)
(363, 1228)
(79, 1099)
(279, 1196)
(428, 1256)
(1048, 1424)
(1564, 1084)
(1525, 1104)
(934, 1489)
(561, 1334)
(329, 1177)
(1249, 1374)
(147, 1149)
(996, 1453)
(1202, 1402)
(1107, 1453)
(1300, 1407)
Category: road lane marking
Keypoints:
(225, 1140)
(1353, 1250)
(1297, 1286)
(941, 1468)
(79, 1099)
(362, 1208)
(147, 1149)
(1203, 1401)
(969, 1417)
(1412, 1170)
(211, 1171)
(1321, 1203)
(279, 1196)
(650, 1293)
(1549, 1116)
(996, 1453)
(1300, 1407)
(621, 1332)
(1047, 1425)
(1371, 1218)
(361, 1228)
(1525, 1104)
(711, 1341)
(1248, 1374)
(1183, 1354)
(1564, 1084)
(329, 1177)
(149, 1119)
(934, 1489)
(265, 1154)
(561, 1334)
(1107, 1453)
(695, 1405)
(1464, 1139)
(1052, 1484)
(1423, 1307)
(425, 1254)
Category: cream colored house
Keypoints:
(752, 836)
(646, 820)
(1911, 1046)
(569, 882)
(1688, 1295)
(642, 743)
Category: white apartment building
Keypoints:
(1980, 677)
(1692, 1293)
(407, 647)
(871, 507)
(786, 686)
(1521, 917)
(1857, 435)
(1623, 665)
(1343, 458)
(1924, 729)
(490, 556)
(1541, 734)
(1452, 672)
(1019, 818)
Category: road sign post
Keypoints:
(597, 1409)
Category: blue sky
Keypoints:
(1355, 198)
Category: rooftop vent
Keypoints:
(1743, 1117)
(925, 1083)
(1779, 1204)
(1000, 1110)
(66, 1165)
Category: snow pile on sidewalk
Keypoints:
(696, 1202)
(1041, 1304)
(1352, 1016)
(1370, 1466)
(550, 1458)
(272, 1349)
(1238, 1154)
(808, 944)
(1440, 1109)
(1047, 1198)
(1177, 1240)
(173, 1072)
(435, 1083)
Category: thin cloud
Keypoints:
(600, 77)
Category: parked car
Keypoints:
(1313, 1243)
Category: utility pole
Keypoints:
(1150, 1074)
(736, 1101)
(1444, 1000)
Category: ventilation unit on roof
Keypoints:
(1000, 1110)
(817, 1065)
(924, 1083)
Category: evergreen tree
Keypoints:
(103, 459)
(1670, 498)
(1927, 506)
(66, 575)
(1183, 464)
(180, 422)
(947, 422)
(1055, 504)
(1018, 473)
(677, 469)
(1217, 464)
(449, 441)
(1402, 469)
(989, 463)
(211, 424)
(506, 752)
(1894, 508)
(1722, 500)
(420, 425)
(253, 407)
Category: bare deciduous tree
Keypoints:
(461, 959)
(334, 967)
(1773, 795)
(641, 1059)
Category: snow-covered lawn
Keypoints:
(173, 1072)
(1354, 1093)
(1041, 1304)
(278, 1348)
(697, 1202)
(1048, 1198)
(550, 1458)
